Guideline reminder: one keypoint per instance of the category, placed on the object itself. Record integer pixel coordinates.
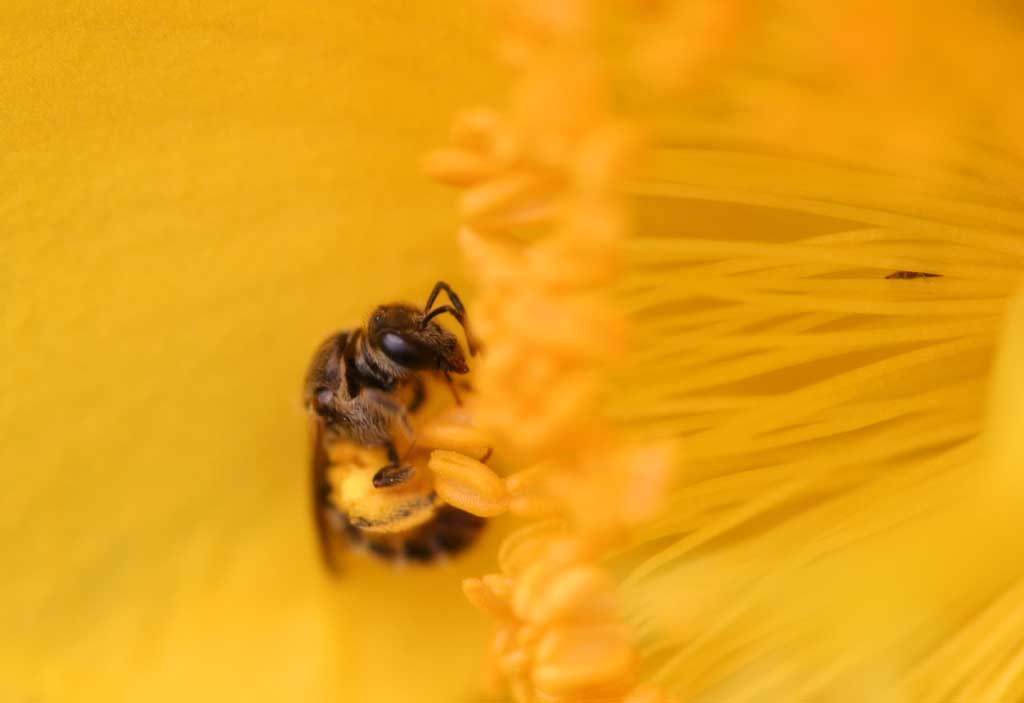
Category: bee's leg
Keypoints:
(419, 394)
(392, 413)
(454, 389)
(392, 476)
(394, 473)
(456, 309)
(328, 511)
(393, 459)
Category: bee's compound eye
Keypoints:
(323, 400)
(400, 350)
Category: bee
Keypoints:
(362, 389)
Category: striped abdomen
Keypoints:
(449, 532)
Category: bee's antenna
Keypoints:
(456, 310)
(442, 286)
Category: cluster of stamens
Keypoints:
(544, 218)
(560, 636)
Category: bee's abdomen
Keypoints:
(450, 531)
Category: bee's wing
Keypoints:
(320, 489)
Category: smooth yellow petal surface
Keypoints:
(192, 196)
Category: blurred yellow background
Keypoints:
(193, 195)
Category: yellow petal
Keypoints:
(1006, 407)
(194, 195)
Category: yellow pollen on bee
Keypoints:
(393, 510)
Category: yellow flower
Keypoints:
(195, 197)
(826, 376)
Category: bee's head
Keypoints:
(400, 333)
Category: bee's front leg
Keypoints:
(391, 417)
(419, 394)
(394, 473)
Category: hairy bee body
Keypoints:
(361, 412)
(365, 390)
